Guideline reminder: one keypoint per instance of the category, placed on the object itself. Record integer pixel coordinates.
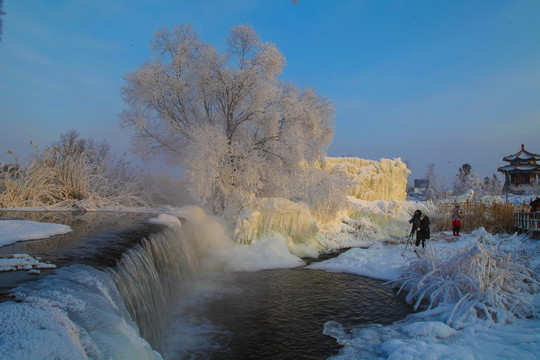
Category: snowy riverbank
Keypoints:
(423, 335)
(431, 334)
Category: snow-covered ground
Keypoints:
(431, 334)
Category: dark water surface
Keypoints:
(277, 314)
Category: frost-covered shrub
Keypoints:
(476, 283)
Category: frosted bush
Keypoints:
(477, 283)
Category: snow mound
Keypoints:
(168, 220)
(267, 253)
(268, 249)
(429, 328)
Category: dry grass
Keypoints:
(58, 179)
(494, 217)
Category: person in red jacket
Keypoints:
(456, 220)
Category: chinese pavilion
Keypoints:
(523, 168)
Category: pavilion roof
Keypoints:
(520, 168)
(522, 155)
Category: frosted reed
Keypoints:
(478, 283)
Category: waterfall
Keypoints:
(153, 273)
(121, 312)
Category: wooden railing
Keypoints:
(527, 222)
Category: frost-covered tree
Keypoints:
(492, 186)
(71, 143)
(435, 187)
(460, 181)
(467, 180)
(461, 178)
(240, 132)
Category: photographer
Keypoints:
(420, 225)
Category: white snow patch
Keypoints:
(429, 328)
(23, 262)
(378, 261)
(168, 220)
(12, 231)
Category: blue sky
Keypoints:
(442, 82)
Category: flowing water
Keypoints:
(128, 293)
(275, 314)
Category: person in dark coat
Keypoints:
(420, 225)
(535, 204)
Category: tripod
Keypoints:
(409, 238)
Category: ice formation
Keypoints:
(77, 313)
(374, 180)
(383, 219)
(282, 217)
(383, 180)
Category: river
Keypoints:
(121, 268)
